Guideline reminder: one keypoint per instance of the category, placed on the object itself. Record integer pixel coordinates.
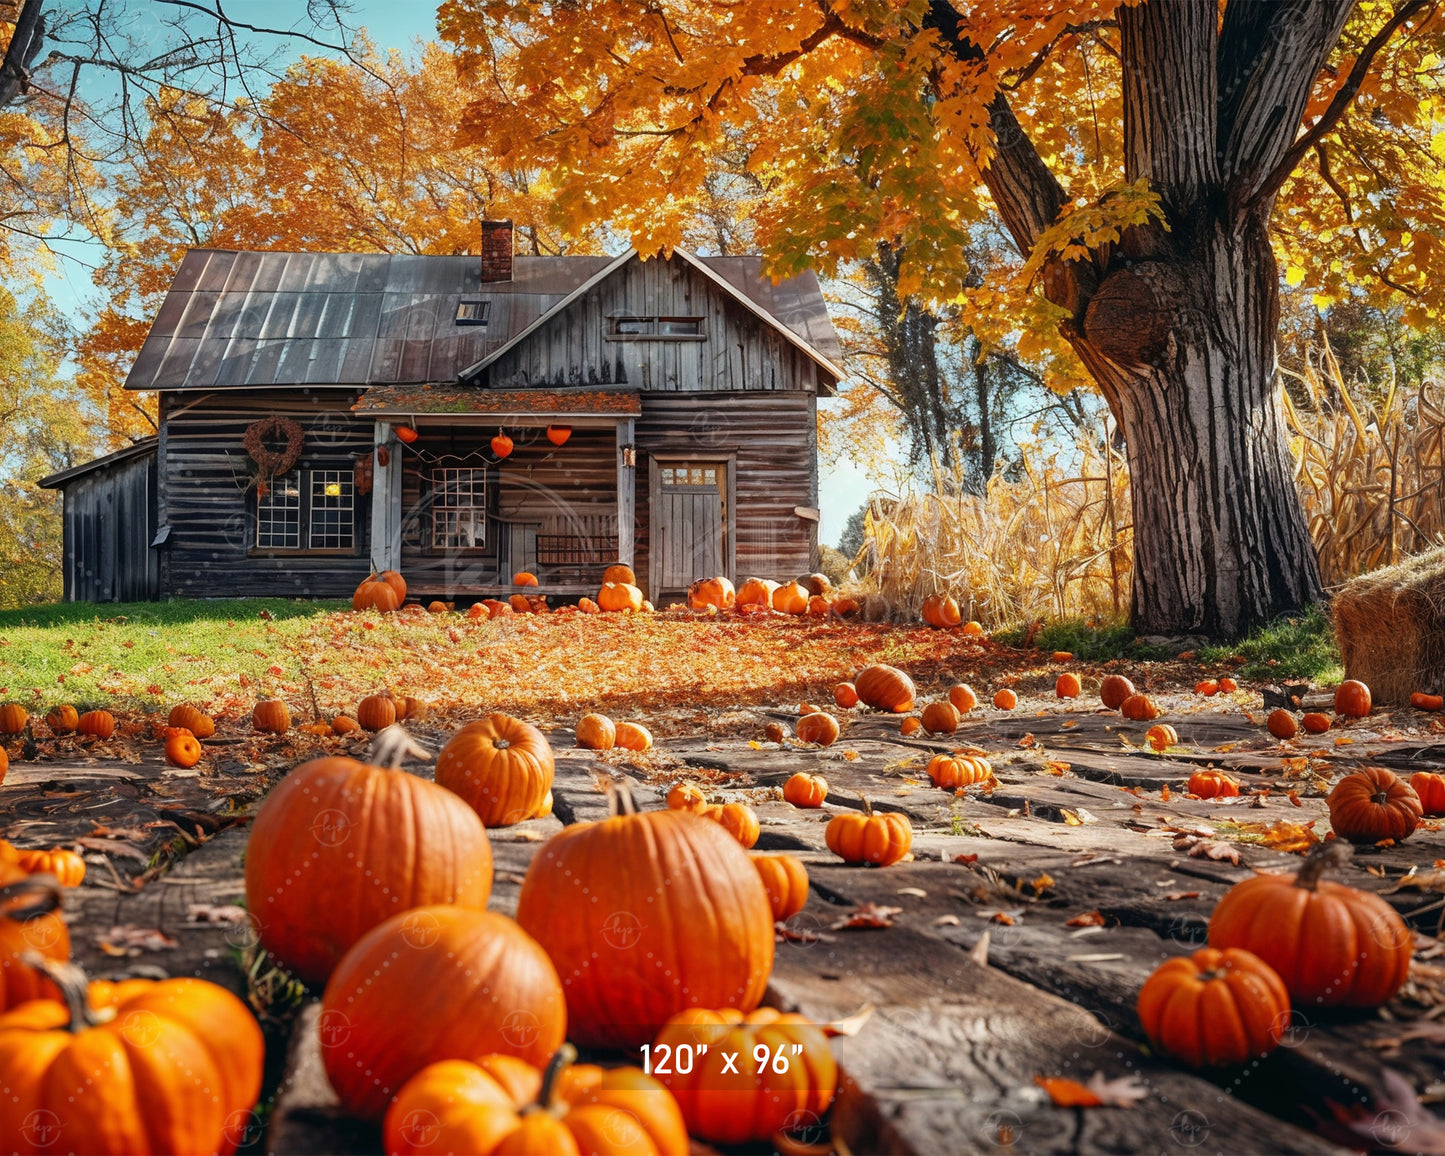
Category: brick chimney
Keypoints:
(496, 251)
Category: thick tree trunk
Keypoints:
(1185, 353)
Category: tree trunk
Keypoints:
(1184, 351)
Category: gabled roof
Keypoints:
(137, 449)
(235, 320)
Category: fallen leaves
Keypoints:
(1086, 919)
(1099, 1092)
(870, 915)
(124, 940)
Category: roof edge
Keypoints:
(136, 449)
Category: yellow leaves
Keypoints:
(1082, 228)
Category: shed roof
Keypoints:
(138, 449)
(251, 320)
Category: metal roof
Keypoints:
(438, 399)
(248, 319)
(138, 449)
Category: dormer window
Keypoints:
(657, 329)
(473, 312)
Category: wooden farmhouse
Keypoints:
(323, 415)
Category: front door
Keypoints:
(691, 520)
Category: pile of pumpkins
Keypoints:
(184, 728)
(619, 593)
(812, 594)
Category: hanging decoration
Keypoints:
(501, 445)
(361, 473)
(558, 434)
(406, 434)
(383, 456)
(269, 462)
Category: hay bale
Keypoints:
(1390, 627)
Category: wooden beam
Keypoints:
(626, 489)
(386, 504)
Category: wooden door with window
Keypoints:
(690, 520)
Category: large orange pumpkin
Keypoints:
(885, 687)
(99, 723)
(819, 727)
(130, 1067)
(1371, 804)
(1352, 699)
(1431, 789)
(527, 578)
(941, 610)
(954, 771)
(805, 790)
(941, 717)
(1214, 1007)
(501, 766)
(435, 983)
(63, 719)
(1211, 784)
(596, 732)
(645, 915)
(183, 749)
(717, 592)
(376, 712)
(618, 596)
(13, 718)
(396, 582)
(1139, 708)
(484, 1108)
(30, 921)
(339, 846)
(787, 882)
(756, 592)
(845, 694)
(962, 697)
(745, 1104)
(1332, 945)
(738, 819)
(620, 572)
(631, 736)
(1067, 685)
(1114, 690)
(190, 718)
(869, 837)
(376, 593)
(687, 797)
(791, 598)
(271, 715)
(1281, 724)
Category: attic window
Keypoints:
(473, 312)
(657, 329)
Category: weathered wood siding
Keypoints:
(109, 523)
(210, 551)
(775, 470)
(737, 351)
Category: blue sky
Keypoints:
(396, 24)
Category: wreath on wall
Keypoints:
(271, 462)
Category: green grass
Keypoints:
(1299, 646)
(1088, 641)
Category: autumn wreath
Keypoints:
(271, 462)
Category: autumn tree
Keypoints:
(1152, 162)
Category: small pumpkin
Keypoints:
(1282, 724)
(1214, 1008)
(819, 606)
(910, 726)
(1332, 945)
(520, 604)
(791, 598)
(774, 732)
(1005, 699)
(1161, 736)
(739, 820)
(845, 694)
(376, 712)
(749, 1105)
(963, 697)
(271, 716)
(436, 606)
(496, 608)
(525, 578)
(501, 766)
(620, 572)
(686, 797)
(869, 837)
(1227, 685)
(1421, 701)
(1067, 685)
(596, 732)
(192, 719)
(409, 707)
(183, 749)
(1139, 708)
(819, 727)
(714, 592)
(62, 720)
(344, 725)
(1352, 699)
(1208, 687)
(615, 597)
(478, 612)
(955, 771)
(1372, 804)
(502, 446)
(13, 718)
(1114, 690)
(941, 610)
(805, 790)
(98, 723)
(1316, 723)
(633, 736)
(435, 983)
(885, 687)
(1213, 785)
(786, 880)
(755, 592)
(1431, 789)
(67, 867)
(973, 629)
(941, 718)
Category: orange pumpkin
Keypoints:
(1371, 804)
(910, 726)
(270, 715)
(819, 727)
(1352, 699)
(632, 736)
(1161, 736)
(13, 718)
(596, 732)
(1067, 685)
(941, 610)
(1208, 688)
(1431, 789)
(30, 921)
(845, 694)
(67, 867)
(1422, 701)
(1005, 699)
(62, 720)
(973, 629)
(687, 797)
(963, 697)
(885, 687)
(645, 915)
(1114, 690)
(4, 764)
(845, 606)
(381, 839)
(618, 596)
(774, 732)
(1214, 1008)
(791, 598)
(1332, 945)
(520, 604)
(941, 718)
(869, 837)
(134, 1066)
(342, 725)
(755, 592)
(1227, 685)
(1316, 723)
(620, 572)
(190, 718)
(100, 723)
(501, 766)
(819, 606)
(397, 583)
(376, 712)
(1213, 785)
(805, 790)
(436, 606)
(716, 592)
(1139, 708)
(478, 611)
(435, 983)
(526, 578)
(183, 749)
(497, 608)
(745, 1104)
(1281, 724)
(377, 594)
(787, 882)
(738, 819)
(957, 770)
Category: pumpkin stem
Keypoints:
(1326, 856)
(563, 1059)
(867, 806)
(74, 986)
(393, 744)
(43, 889)
(620, 800)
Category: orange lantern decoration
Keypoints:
(558, 434)
(406, 434)
(501, 445)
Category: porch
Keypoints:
(459, 519)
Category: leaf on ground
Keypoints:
(978, 953)
(1175, 896)
(1086, 919)
(1207, 849)
(1070, 818)
(850, 1025)
(866, 915)
(1400, 1122)
(1028, 741)
(801, 935)
(1123, 1092)
(213, 913)
(945, 921)
(124, 940)
(1068, 1093)
(1054, 767)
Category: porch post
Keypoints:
(386, 504)
(626, 490)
